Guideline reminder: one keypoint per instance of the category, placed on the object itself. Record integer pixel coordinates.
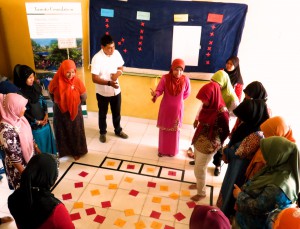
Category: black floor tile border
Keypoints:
(138, 173)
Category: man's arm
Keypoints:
(98, 80)
(119, 72)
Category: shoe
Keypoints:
(217, 171)
(192, 162)
(160, 155)
(190, 153)
(102, 138)
(122, 135)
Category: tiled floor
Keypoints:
(124, 184)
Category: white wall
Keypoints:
(270, 52)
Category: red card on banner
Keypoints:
(78, 184)
(155, 214)
(191, 204)
(151, 184)
(99, 219)
(216, 18)
(75, 216)
(105, 204)
(179, 216)
(83, 174)
(67, 196)
(90, 211)
(133, 192)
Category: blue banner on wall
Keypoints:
(143, 31)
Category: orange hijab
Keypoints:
(175, 85)
(275, 126)
(67, 91)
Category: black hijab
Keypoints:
(251, 113)
(33, 202)
(256, 90)
(235, 75)
(21, 74)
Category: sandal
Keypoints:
(160, 155)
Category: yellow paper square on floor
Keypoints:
(129, 212)
(165, 208)
(95, 192)
(156, 225)
(140, 225)
(112, 186)
(185, 193)
(120, 223)
(111, 163)
(174, 196)
(78, 205)
(109, 177)
(164, 188)
(156, 199)
(150, 170)
(128, 179)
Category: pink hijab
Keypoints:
(11, 105)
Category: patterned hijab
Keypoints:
(11, 106)
(256, 90)
(228, 94)
(67, 91)
(175, 85)
(235, 75)
(33, 202)
(209, 94)
(281, 169)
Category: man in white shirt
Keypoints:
(107, 67)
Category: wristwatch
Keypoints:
(108, 83)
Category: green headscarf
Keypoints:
(228, 94)
(281, 169)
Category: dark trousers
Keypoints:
(115, 107)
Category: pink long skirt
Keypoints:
(168, 143)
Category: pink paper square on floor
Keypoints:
(75, 216)
(172, 173)
(179, 216)
(155, 214)
(191, 204)
(105, 204)
(83, 174)
(78, 184)
(130, 166)
(90, 211)
(99, 219)
(67, 196)
(151, 184)
(133, 192)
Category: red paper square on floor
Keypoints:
(90, 211)
(151, 184)
(78, 185)
(179, 216)
(67, 196)
(133, 192)
(99, 219)
(75, 216)
(172, 173)
(191, 204)
(130, 166)
(83, 174)
(168, 227)
(105, 204)
(155, 214)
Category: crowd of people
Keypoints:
(261, 184)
